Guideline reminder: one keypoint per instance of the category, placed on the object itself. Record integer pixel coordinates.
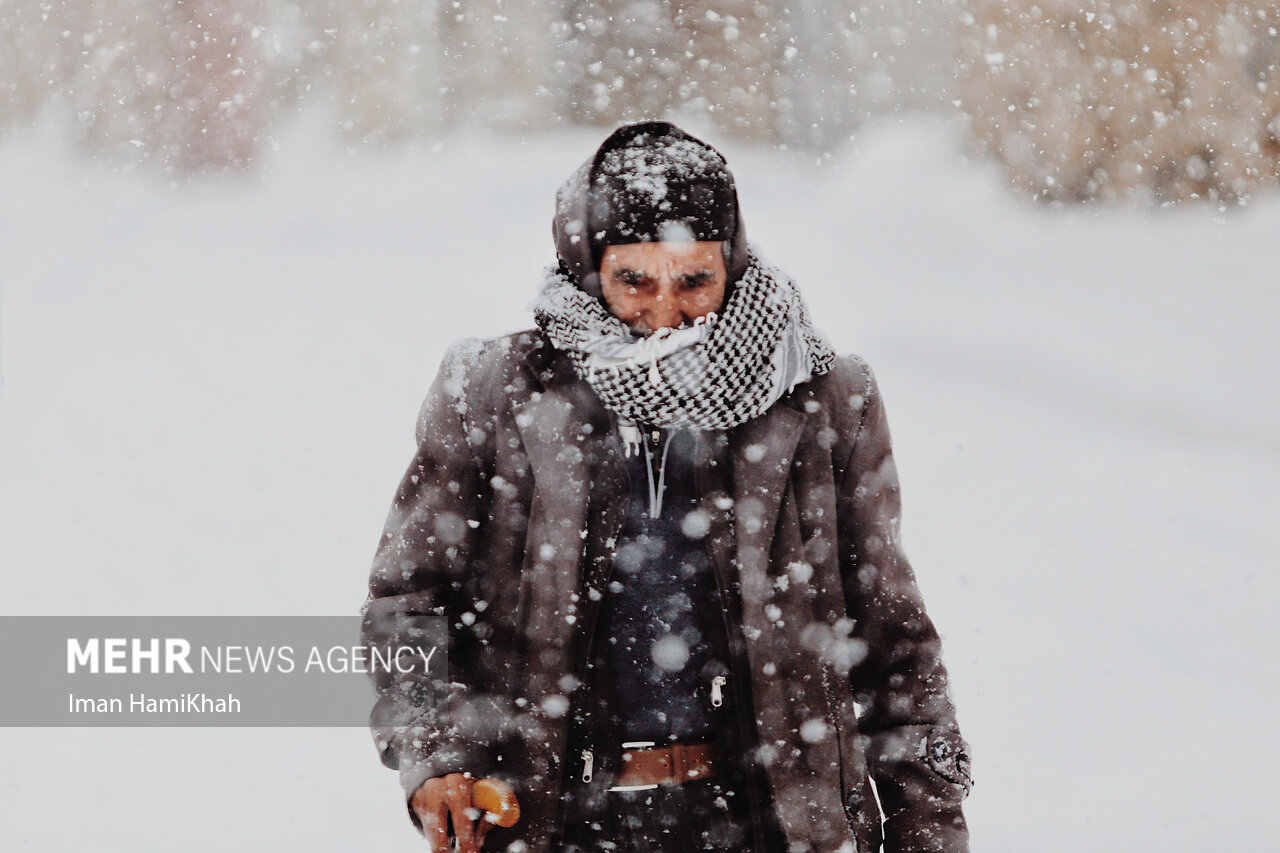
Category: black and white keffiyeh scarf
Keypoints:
(724, 370)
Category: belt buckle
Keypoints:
(635, 744)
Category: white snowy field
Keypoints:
(209, 393)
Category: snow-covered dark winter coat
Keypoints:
(504, 523)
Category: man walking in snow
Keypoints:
(662, 528)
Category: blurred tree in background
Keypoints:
(176, 82)
(200, 85)
(1172, 99)
(758, 70)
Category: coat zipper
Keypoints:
(738, 706)
(589, 638)
(717, 695)
(738, 709)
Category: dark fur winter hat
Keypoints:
(648, 182)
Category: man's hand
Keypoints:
(449, 797)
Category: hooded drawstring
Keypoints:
(658, 488)
(633, 442)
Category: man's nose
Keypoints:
(665, 314)
(664, 310)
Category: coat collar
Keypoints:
(762, 451)
(560, 408)
(570, 438)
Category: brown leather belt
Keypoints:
(646, 766)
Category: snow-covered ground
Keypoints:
(209, 393)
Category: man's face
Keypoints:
(651, 286)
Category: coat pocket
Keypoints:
(861, 806)
(863, 812)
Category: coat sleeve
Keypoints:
(916, 756)
(426, 726)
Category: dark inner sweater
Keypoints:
(663, 628)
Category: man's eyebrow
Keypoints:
(629, 274)
(697, 275)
